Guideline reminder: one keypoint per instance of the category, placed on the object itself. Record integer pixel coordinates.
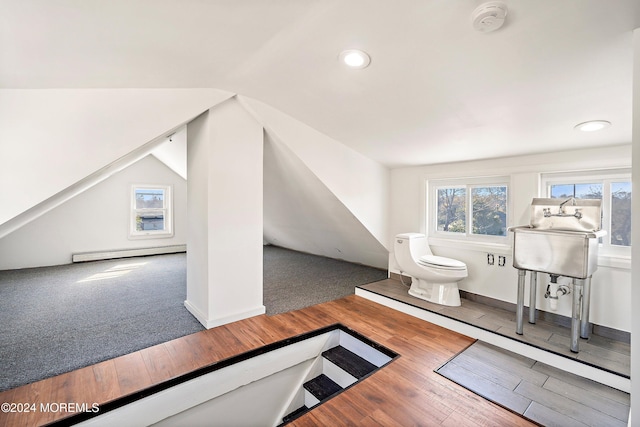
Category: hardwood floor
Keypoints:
(407, 392)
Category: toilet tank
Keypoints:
(408, 247)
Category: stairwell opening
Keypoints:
(281, 381)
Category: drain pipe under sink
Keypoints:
(554, 291)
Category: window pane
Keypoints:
(621, 213)
(588, 191)
(150, 221)
(149, 198)
(451, 210)
(489, 213)
(579, 191)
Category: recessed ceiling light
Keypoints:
(592, 125)
(354, 58)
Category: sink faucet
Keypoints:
(570, 199)
(547, 211)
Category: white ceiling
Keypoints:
(436, 90)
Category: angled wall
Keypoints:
(301, 213)
(359, 183)
(54, 139)
(95, 220)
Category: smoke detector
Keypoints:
(489, 16)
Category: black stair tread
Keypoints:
(349, 361)
(301, 410)
(322, 387)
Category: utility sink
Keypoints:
(561, 240)
(560, 252)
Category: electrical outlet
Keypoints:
(502, 260)
(490, 259)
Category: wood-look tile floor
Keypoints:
(608, 354)
(406, 392)
(540, 392)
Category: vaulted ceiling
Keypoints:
(436, 89)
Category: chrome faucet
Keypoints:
(570, 199)
(547, 211)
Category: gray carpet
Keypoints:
(57, 319)
(294, 280)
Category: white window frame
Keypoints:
(604, 177)
(469, 184)
(167, 210)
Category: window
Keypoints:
(613, 188)
(150, 211)
(476, 208)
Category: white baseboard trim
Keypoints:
(127, 253)
(212, 323)
(577, 368)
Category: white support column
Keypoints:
(224, 244)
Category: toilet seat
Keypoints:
(442, 263)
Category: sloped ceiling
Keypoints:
(56, 140)
(301, 213)
(436, 90)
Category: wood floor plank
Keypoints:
(106, 381)
(567, 406)
(550, 418)
(584, 383)
(474, 419)
(506, 361)
(159, 363)
(491, 372)
(132, 373)
(484, 387)
(588, 398)
(7, 418)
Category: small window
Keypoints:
(151, 211)
(478, 208)
(613, 188)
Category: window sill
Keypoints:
(614, 261)
(150, 236)
(470, 245)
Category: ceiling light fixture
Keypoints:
(592, 125)
(354, 58)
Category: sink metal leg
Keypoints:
(520, 304)
(584, 316)
(532, 297)
(578, 285)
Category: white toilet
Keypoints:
(433, 278)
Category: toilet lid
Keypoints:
(442, 262)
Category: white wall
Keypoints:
(95, 220)
(611, 289)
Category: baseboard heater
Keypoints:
(127, 253)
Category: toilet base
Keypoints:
(438, 293)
